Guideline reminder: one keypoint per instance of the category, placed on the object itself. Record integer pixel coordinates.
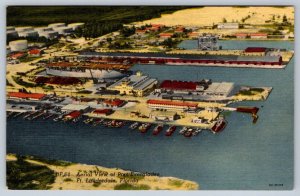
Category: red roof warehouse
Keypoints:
(73, 115)
(176, 105)
(115, 102)
(103, 112)
(178, 85)
(20, 95)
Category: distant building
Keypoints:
(75, 26)
(26, 96)
(75, 107)
(163, 115)
(171, 105)
(114, 102)
(222, 89)
(102, 112)
(136, 85)
(165, 35)
(241, 35)
(193, 35)
(258, 35)
(34, 52)
(228, 25)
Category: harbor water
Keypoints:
(243, 156)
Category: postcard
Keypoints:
(150, 97)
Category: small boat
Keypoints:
(119, 124)
(219, 125)
(97, 122)
(197, 131)
(157, 129)
(170, 131)
(134, 125)
(144, 127)
(188, 133)
(88, 121)
(183, 130)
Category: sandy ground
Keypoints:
(213, 15)
(82, 177)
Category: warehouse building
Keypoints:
(18, 45)
(228, 25)
(171, 105)
(136, 85)
(163, 115)
(26, 96)
(221, 89)
(75, 107)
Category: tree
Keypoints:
(224, 20)
(284, 19)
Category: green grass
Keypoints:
(22, 175)
(50, 162)
(126, 186)
(177, 183)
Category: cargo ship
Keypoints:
(88, 70)
(266, 61)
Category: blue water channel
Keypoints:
(243, 156)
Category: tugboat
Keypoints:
(144, 127)
(170, 131)
(183, 130)
(188, 133)
(157, 129)
(134, 125)
(219, 125)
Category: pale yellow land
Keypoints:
(154, 182)
(213, 15)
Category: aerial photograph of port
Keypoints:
(150, 97)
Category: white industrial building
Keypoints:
(63, 30)
(27, 31)
(55, 25)
(18, 45)
(46, 32)
(134, 85)
(221, 89)
(28, 34)
(74, 26)
(228, 25)
(75, 107)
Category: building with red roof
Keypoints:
(178, 85)
(34, 52)
(165, 35)
(17, 55)
(102, 112)
(193, 35)
(28, 96)
(241, 35)
(73, 115)
(258, 35)
(171, 105)
(258, 51)
(114, 102)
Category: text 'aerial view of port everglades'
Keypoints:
(150, 97)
